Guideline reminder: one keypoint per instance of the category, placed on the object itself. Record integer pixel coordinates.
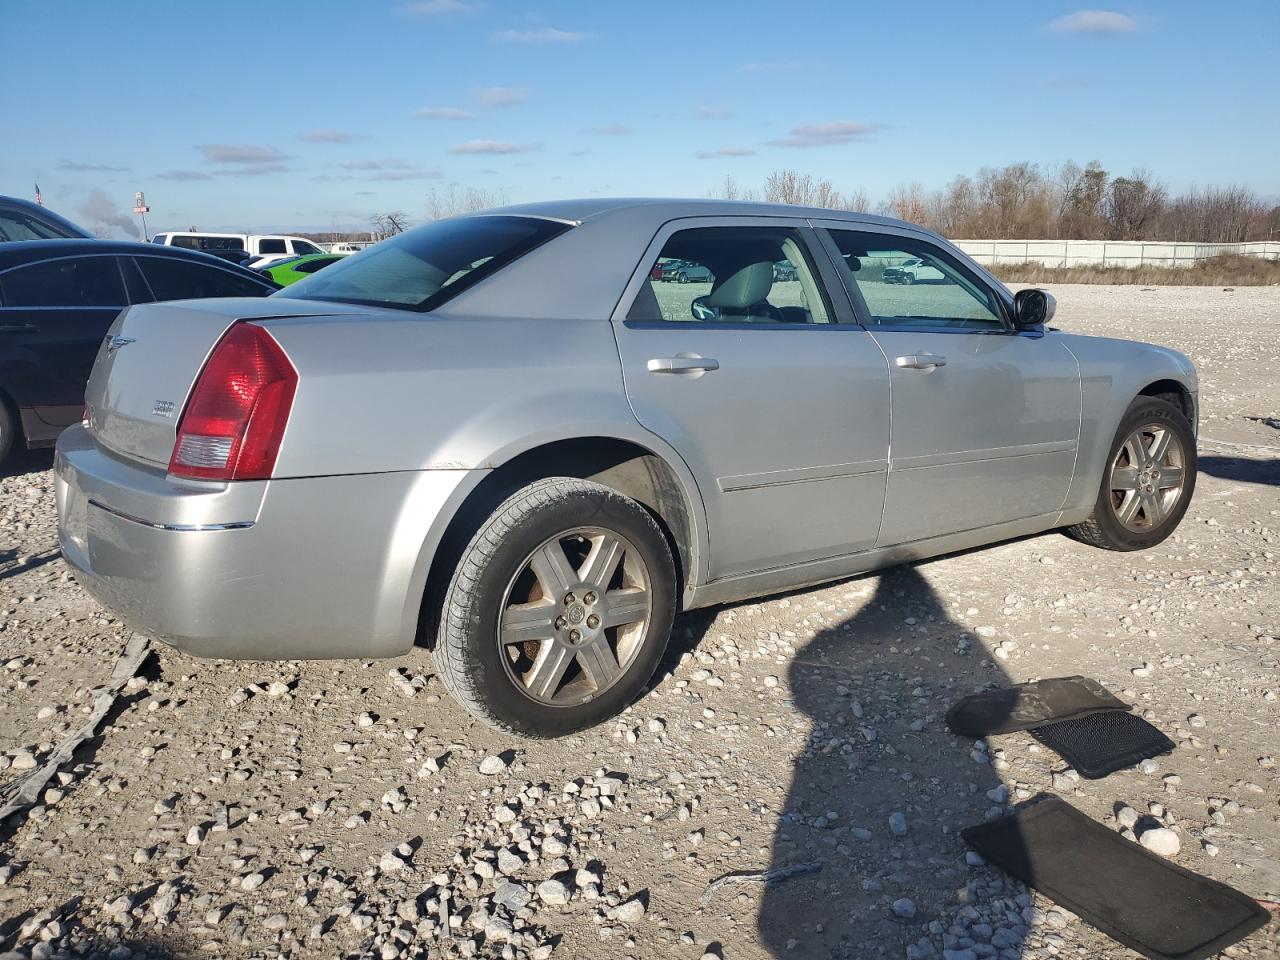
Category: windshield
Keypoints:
(423, 268)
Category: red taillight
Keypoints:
(235, 419)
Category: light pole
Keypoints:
(141, 209)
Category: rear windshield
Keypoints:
(423, 268)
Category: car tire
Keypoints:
(908, 279)
(542, 647)
(1138, 504)
(8, 430)
(684, 278)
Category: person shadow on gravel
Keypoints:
(880, 761)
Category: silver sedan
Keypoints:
(501, 437)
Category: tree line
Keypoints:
(1023, 202)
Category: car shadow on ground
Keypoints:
(1244, 469)
(876, 689)
(26, 461)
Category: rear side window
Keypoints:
(77, 282)
(271, 246)
(311, 266)
(179, 280)
(423, 268)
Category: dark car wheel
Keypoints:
(559, 610)
(684, 278)
(8, 430)
(1148, 480)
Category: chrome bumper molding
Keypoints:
(184, 527)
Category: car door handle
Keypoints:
(681, 364)
(921, 361)
(17, 327)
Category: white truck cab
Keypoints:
(264, 247)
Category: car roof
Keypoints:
(670, 208)
(17, 252)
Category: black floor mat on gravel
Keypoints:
(1102, 743)
(1027, 705)
(1150, 905)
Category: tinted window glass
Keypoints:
(303, 247)
(271, 246)
(732, 275)
(179, 280)
(423, 268)
(79, 282)
(311, 266)
(16, 225)
(909, 282)
(159, 238)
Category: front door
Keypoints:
(740, 362)
(985, 419)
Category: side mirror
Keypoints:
(702, 310)
(1033, 308)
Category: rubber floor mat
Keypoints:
(1150, 905)
(1027, 705)
(1102, 743)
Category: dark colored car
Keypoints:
(57, 300)
(24, 220)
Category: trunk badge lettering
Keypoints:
(115, 343)
(163, 408)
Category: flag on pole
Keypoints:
(39, 199)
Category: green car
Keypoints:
(285, 272)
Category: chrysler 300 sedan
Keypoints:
(437, 442)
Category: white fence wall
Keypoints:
(1109, 253)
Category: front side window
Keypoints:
(911, 283)
(731, 275)
(271, 246)
(303, 247)
(180, 280)
(423, 268)
(78, 282)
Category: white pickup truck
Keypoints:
(262, 248)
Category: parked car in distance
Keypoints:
(263, 248)
(912, 270)
(784, 270)
(292, 269)
(349, 246)
(686, 271)
(57, 300)
(532, 478)
(24, 220)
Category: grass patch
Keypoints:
(1227, 270)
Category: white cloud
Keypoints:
(183, 175)
(240, 153)
(433, 8)
(329, 136)
(90, 167)
(1095, 22)
(826, 134)
(611, 129)
(540, 35)
(713, 113)
(492, 146)
(725, 152)
(391, 168)
(442, 113)
(501, 96)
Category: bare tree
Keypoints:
(456, 200)
(388, 224)
(1132, 205)
(788, 186)
(907, 202)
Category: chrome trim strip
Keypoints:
(774, 478)
(182, 527)
(981, 456)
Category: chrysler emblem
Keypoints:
(115, 343)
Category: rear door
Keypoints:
(779, 408)
(986, 419)
(53, 316)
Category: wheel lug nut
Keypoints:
(593, 621)
(590, 597)
(575, 636)
(560, 622)
(569, 598)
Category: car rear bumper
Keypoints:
(305, 568)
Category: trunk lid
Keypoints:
(149, 361)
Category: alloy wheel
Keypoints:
(575, 616)
(1148, 476)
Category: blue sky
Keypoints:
(315, 115)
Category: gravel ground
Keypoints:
(351, 809)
